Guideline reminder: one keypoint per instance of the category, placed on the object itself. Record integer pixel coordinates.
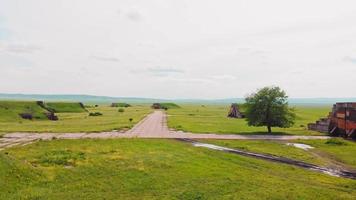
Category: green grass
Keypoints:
(154, 169)
(325, 153)
(213, 119)
(66, 107)
(342, 151)
(80, 122)
(278, 148)
(10, 110)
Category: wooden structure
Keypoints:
(340, 122)
(235, 111)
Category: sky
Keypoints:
(178, 48)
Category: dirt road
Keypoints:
(153, 126)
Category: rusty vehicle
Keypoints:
(340, 122)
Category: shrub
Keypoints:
(121, 110)
(335, 141)
(125, 105)
(93, 114)
(130, 119)
(26, 116)
(164, 106)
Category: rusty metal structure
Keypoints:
(340, 122)
(234, 111)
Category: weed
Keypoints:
(60, 157)
(335, 141)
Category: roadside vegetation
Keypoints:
(213, 119)
(154, 169)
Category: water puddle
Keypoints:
(332, 172)
(300, 146)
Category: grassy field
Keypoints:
(77, 122)
(154, 169)
(325, 152)
(213, 119)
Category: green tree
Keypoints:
(269, 107)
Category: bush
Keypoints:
(130, 119)
(121, 110)
(95, 114)
(26, 116)
(335, 141)
(125, 105)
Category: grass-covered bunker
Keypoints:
(164, 106)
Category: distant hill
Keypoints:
(107, 99)
(77, 98)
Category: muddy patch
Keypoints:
(300, 146)
(273, 158)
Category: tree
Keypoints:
(269, 107)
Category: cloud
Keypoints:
(350, 59)
(223, 77)
(105, 58)
(4, 33)
(164, 71)
(192, 80)
(159, 71)
(14, 61)
(20, 48)
(134, 15)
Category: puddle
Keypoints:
(300, 146)
(332, 172)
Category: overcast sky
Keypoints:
(178, 48)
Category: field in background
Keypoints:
(213, 119)
(71, 118)
(154, 169)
